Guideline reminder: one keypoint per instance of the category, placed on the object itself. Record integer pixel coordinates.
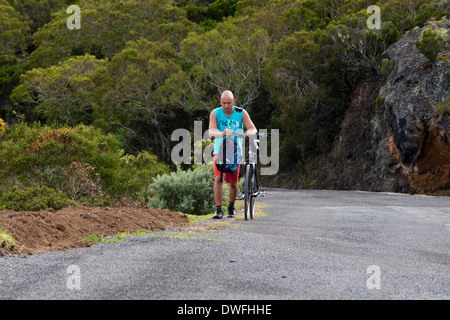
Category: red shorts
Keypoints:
(229, 177)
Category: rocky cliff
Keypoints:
(395, 136)
(411, 135)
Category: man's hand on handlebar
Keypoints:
(226, 132)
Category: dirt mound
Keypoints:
(38, 231)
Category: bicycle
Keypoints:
(250, 184)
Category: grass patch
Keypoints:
(6, 239)
(194, 218)
(443, 107)
(257, 214)
(7, 243)
(197, 234)
(112, 239)
(239, 213)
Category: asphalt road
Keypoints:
(310, 245)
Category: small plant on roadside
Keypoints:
(7, 242)
(113, 239)
(34, 199)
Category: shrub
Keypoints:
(7, 242)
(430, 45)
(385, 67)
(189, 191)
(83, 162)
(34, 199)
(379, 103)
(2, 126)
(443, 107)
(136, 173)
(28, 150)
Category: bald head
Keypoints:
(227, 94)
(227, 101)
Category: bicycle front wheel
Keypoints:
(248, 195)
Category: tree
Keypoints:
(228, 58)
(106, 26)
(281, 17)
(62, 93)
(11, 67)
(290, 70)
(404, 15)
(207, 15)
(303, 89)
(140, 91)
(358, 48)
(14, 33)
(14, 29)
(39, 11)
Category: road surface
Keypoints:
(310, 245)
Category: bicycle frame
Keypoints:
(251, 160)
(250, 164)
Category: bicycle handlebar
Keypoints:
(243, 135)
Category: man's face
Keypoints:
(227, 103)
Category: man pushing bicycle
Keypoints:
(222, 122)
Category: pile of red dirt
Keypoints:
(38, 231)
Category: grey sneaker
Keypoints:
(218, 214)
(231, 212)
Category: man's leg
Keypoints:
(233, 191)
(232, 198)
(218, 197)
(218, 191)
(232, 180)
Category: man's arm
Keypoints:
(248, 124)
(213, 132)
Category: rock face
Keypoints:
(411, 138)
(395, 135)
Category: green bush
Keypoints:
(34, 199)
(443, 107)
(189, 191)
(83, 162)
(379, 103)
(430, 45)
(385, 67)
(2, 126)
(136, 174)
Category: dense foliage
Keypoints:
(139, 69)
(34, 199)
(81, 162)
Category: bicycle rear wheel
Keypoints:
(253, 190)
